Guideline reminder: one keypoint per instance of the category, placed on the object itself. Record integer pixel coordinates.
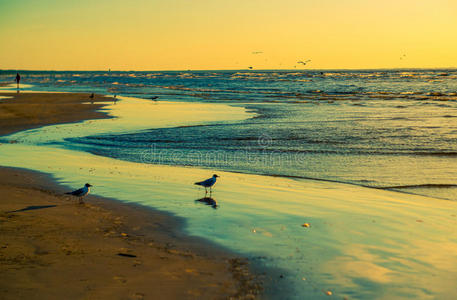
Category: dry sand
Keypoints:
(32, 110)
(53, 248)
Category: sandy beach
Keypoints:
(54, 248)
(32, 110)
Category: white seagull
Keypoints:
(208, 183)
(81, 192)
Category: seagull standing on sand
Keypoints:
(208, 183)
(81, 192)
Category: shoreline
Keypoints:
(193, 265)
(10, 123)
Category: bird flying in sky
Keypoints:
(303, 62)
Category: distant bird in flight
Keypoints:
(208, 183)
(303, 62)
(250, 68)
(84, 191)
(403, 56)
(154, 98)
(257, 52)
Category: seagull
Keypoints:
(81, 192)
(208, 183)
(303, 62)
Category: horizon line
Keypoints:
(251, 70)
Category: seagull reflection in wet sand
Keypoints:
(208, 201)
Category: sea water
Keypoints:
(391, 129)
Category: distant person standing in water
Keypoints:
(18, 78)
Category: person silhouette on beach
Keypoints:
(18, 78)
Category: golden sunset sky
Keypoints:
(223, 34)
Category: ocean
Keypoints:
(389, 129)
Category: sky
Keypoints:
(225, 34)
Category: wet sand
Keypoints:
(53, 248)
